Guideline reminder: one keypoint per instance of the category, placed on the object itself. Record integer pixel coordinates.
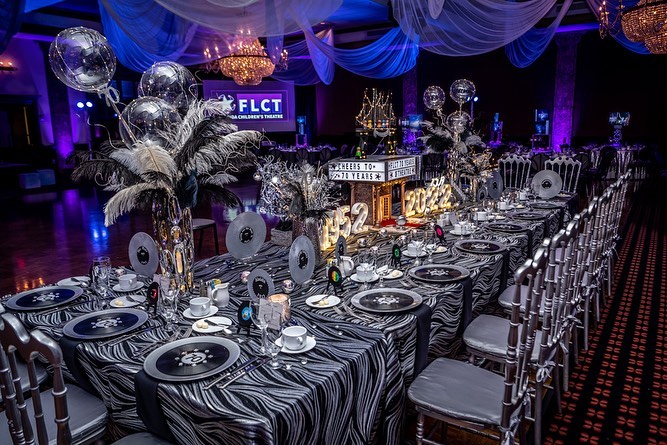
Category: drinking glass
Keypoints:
(430, 247)
(262, 313)
(101, 271)
(273, 348)
(169, 293)
(383, 267)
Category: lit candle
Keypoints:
(283, 300)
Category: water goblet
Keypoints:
(430, 248)
(101, 272)
(169, 301)
(273, 347)
(262, 314)
(383, 267)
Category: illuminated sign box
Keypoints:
(266, 107)
(375, 168)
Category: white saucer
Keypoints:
(211, 328)
(74, 281)
(412, 255)
(124, 302)
(331, 301)
(138, 285)
(211, 312)
(310, 344)
(394, 274)
(356, 279)
(460, 233)
(497, 217)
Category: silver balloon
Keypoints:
(458, 121)
(434, 98)
(462, 91)
(171, 82)
(146, 118)
(82, 59)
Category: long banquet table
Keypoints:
(352, 388)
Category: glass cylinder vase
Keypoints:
(172, 227)
(311, 228)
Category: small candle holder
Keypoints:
(288, 286)
(244, 276)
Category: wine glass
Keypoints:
(430, 248)
(101, 271)
(273, 347)
(169, 293)
(383, 267)
(262, 314)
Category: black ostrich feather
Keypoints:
(217, 194)
(103, 169)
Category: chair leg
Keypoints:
(586, 315)
(420, 429)
(537, 434)
(201, 241)
(215, 237)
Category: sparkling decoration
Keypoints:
(462, 91)
(376, 119)
(248, 64)
(170, 82)
(257, 176)
(147, 118)
(458, 121)
(82, 59)
(643, 22)
(434, 98)
(296, 191)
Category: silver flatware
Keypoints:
(243, 372)
(229, 373)
(122, 338)
(155, 345)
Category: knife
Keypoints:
(229, 373)
(237, 375)
(115, 341)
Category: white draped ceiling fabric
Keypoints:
(193, 32)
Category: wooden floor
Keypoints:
(53, 234)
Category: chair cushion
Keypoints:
(88, 416)
(488, 334)
(141, 439)
(460, 390)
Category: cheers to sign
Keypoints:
(434, 197)
(338, 223)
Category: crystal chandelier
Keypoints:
(645, 22)
(249, 63)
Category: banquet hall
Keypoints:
(333, 222)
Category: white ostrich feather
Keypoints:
(123, 201)
(220, 179)
(146, 157)
(219, 153)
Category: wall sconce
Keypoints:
(7, 66)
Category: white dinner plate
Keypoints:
(212, 328)
(460, 233)
(74, 281)
(356, 279)
(212, 311)
(310, 344)
(330, 301)
(126, 302)
(138, 285)
(407, 254)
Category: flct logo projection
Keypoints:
(259, 106)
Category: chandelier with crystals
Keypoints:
(645, 22)
(247, 63)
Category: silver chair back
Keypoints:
(514, 170)
(568, 169)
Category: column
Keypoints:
(410, 97)
(566, 72)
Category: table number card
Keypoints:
(439, 232)
(396, 256)
(244, 316)
(335, 279)
(152, 294)
(341, 248)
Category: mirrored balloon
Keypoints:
(170, 82)
(462, 91)
(458, 121)
(82, 59)
(434, 97)
(146, 118)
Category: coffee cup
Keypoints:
(200, 306)
(365, 271)
(127, 281)
(414, 248)
(346, 265)
(502, 205)
(481, 216)
(523, 196)
(294, 337)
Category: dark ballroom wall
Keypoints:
(609, 78)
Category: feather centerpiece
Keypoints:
(298, 191)
(202, 154)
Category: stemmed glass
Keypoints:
(101, 271)
(383, 267)
(262, 314)
(273, 348)
(430, 248)
(169, 293)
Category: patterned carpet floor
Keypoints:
(618, 391)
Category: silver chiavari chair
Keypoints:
(479, 400)
(514, 170)
(568, 169)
